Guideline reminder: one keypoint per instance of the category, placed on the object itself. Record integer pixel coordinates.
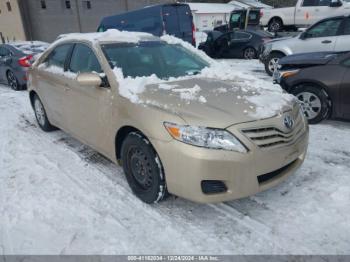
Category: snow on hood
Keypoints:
(264, 99)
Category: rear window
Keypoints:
(158, 58)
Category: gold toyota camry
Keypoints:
(176, 121)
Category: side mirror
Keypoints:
(335, 3)
(303, 35)
(89, 79)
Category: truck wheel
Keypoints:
(314, 102)
(143, 169)
(275, 25)
(272, 62)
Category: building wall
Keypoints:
(46, 24)
(11, 27)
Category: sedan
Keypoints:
(15, 58)
(321, 81)
(235, 44)
(171, 116)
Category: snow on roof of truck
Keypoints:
(111, 35)
(208, 8)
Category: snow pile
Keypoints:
(57, 70)
(190, 94)
(130, 87)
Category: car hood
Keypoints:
(316, 58)
(216, 103)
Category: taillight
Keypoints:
(261, 13)
(193, 35)
(25, 61)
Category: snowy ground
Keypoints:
(57, 196)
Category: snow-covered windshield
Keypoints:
(153, 58)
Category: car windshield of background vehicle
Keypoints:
(148, 58)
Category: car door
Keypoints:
(345, 91)
(88, 107)
(320, 37)
(52, 83)
(305, 13)
(221, 46)
(342, 43)
(238, 42)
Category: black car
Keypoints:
(321, 81)
(234, 44)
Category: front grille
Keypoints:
(267, 177)
(213, 187)
(267, 137)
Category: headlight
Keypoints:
(205, 137)
(289, 73)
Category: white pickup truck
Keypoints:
(304, 14)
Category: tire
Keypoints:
(143, 169)
(13, 81)
(315, 102)
(249, 53)
(275, 25)
(40, 115)
(271, 61)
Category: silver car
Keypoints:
(331, 34)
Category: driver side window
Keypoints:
(324, 29)
(84, 60)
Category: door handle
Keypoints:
(326, 42)
(66, 88)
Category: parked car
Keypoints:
(235, 44)
(15, 58)
(304, 14)
(172, 19)
(145, 103)
(331, 34)
(321, 81)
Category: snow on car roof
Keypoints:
(109, 35)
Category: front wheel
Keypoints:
(314, 103)
(272, 63)
(143, 169)
(40, 115)
(249, 53)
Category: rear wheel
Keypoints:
(275, 25)
(272, 62)
(314, 103)
(12, 81)
(40, 115)
(143, 169)
(249, 53)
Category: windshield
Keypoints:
(148, 58)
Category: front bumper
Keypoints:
(243, 175)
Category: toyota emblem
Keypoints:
(288, 122)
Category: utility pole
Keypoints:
(78, 16)
(127, 5)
